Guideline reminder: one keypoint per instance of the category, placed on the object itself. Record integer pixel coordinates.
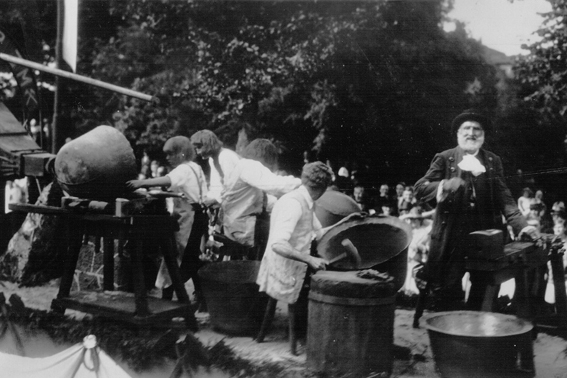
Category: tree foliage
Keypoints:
(375, 82)
(543, 71)
(539, 119)
(371, 82)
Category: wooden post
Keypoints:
(58, 54)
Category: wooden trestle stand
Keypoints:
(138, 229)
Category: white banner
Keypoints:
(70, 32)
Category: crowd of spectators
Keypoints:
(399, 200)
(533, 207)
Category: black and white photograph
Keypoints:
(283, 188)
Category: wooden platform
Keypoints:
(136, 308)
(121, 305)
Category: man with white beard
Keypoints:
(467, 185)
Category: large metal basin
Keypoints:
(478, 344)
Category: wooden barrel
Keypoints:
(350, 325)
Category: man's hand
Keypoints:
(134, 184)
(453, 184)
(317, 263)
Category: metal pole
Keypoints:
(83, 79)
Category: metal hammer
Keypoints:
(351, 253)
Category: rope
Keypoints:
(89, 345)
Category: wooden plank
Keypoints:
(40, 209)
(118, 305)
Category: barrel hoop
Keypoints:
(351, 301)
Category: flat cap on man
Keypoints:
(471, 115)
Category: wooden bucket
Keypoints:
(350, 325)
(235, 305)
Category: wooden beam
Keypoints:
(76, 77)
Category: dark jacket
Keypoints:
(455, 217)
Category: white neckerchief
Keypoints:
(471, 164)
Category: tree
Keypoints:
(367, 81)
(539, 121)
(374, 82)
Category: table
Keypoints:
(515, 262)
(136, 308)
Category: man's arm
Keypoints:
(284, 222)
(257, 175)
(426, 188)
(148, 183)
(508, 205)
(284, 249)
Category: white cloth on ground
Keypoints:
(74, 362)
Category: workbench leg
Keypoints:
(490, 294)
(74, 243)
(138, 279)
(108, 267)
(483, 292)
(522, 295)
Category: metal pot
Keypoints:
(382, 243)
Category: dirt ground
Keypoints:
(415, 359)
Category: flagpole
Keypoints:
(56, 98)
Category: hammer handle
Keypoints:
(348, 245)
(337, 258)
